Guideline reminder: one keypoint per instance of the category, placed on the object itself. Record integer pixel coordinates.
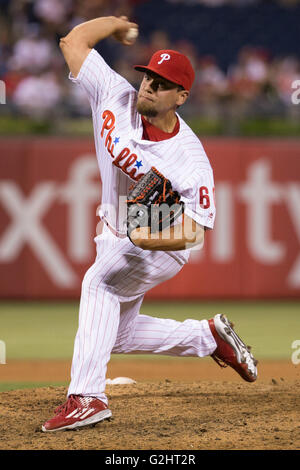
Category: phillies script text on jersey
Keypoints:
(124, 160)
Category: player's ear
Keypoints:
(182, 97)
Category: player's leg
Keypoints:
(99, 317)
(97, 330)
(96, 335)
(144, 334)
(98, 325)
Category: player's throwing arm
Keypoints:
(80, 41)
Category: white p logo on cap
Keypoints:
(164, 57)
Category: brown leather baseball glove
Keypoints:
(152, 203)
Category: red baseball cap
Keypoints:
(171, 65)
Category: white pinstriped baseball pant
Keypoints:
(109, 320)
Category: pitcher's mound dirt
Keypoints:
(163, 415)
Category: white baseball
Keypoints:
(132, 34)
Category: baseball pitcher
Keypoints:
(157, 203)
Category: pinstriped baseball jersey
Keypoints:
(123, 156)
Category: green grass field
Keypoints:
(45, 330)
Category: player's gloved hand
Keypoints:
(122, 30)
(152, 203)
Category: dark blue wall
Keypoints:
(224, 30)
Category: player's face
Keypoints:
(158, 95)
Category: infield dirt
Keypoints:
(173, 406)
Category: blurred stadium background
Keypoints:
(244, 107)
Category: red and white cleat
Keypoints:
(78, 411)
(231, 350)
